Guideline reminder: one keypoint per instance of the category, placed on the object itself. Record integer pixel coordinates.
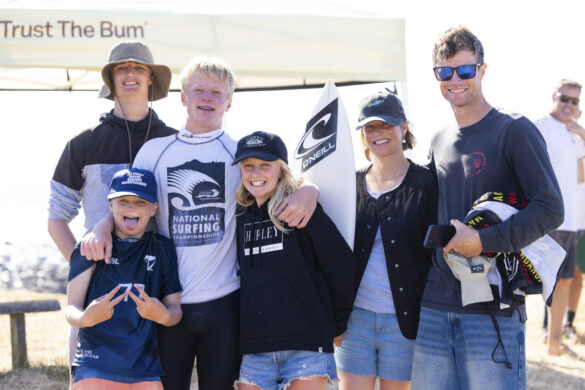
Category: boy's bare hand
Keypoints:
(101, 309)
(298, 207)
(149, 307)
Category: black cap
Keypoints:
(261, 145)
(382, 106)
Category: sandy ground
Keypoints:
(544, 372)
(554, 372)
(47, 338)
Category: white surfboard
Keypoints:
(325, 156)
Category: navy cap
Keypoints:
(133, 182)
(261, 145)
(382, 106)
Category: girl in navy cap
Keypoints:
(296, 284)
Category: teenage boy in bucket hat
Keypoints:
(480, 345)
(139, 53)
(197, 202)
(117, 305)
(90, 159)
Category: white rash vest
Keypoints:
(196, 194)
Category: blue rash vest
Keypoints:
(125, 344)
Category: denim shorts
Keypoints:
(454, 351)
(277, 370)
(374, 346)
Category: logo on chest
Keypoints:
(150, 261)
(475, 163)
(195, 183)
(261, 237)
(192, 187)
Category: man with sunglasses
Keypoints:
(480, 345)
(563, 150)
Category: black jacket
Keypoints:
(403, 215)
(296, 288)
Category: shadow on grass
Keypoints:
(546, 376)
(41, 377)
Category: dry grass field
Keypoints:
(47, 340)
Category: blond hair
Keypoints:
(568, 83)
(286, 185)
(210, 67)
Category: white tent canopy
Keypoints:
(59, 45)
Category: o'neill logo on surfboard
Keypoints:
(320, 137)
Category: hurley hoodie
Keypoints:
(296, 288)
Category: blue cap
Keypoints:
(261, 145)
(382, 106)
(133, 182)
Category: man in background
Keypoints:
(578, 133)
(563, 148)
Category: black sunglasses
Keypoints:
(465, 72)
(567, 99)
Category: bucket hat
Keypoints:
(137, 52)
(472, 273)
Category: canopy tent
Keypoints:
(60, 45)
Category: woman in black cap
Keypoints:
(396, 202)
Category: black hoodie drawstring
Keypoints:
(253, 209)
(130, 138)
(256, 212)
(252, 239)
(128, 128)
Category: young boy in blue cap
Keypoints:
(115, 305)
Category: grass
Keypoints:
(41, 377)
(46, 339)
(47, 335)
